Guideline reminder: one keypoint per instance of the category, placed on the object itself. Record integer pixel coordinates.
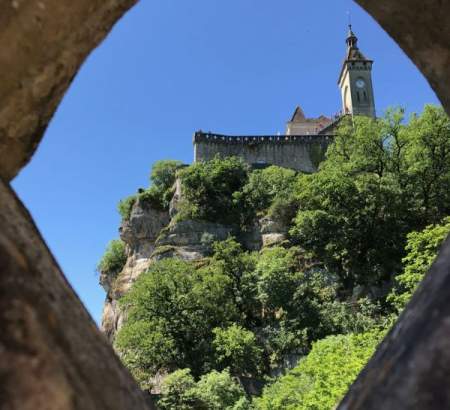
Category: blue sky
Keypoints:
(171, 67)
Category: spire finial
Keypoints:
(351, 40)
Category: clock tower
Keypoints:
(355, 80)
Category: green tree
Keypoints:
(178, 391)
(236, 348)
(268, 191)
(172, 310)
(163, 173)
(321, 379)
(126, 205)
(209, 189)
(422, 249)
(428, 163)
(277, 278)
(354, 213)
(231, 260)
(219, 391)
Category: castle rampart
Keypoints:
(299, 152)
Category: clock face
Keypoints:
(360, 83)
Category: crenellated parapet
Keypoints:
(300, 152)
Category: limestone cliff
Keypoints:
(151, 235)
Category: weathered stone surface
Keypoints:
(42, 45)
(175, 201)
(422, 30)
(192, 233)
(139, 232)
(51, 354)
(272, 232)
(302, 153)
(143, 226)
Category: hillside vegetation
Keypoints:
(361, 234)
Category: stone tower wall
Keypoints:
(299, 152)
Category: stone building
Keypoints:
(304, 144)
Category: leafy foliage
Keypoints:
(321, 295)
(114, 258)
(422, 249)
(236, 348)
(322, 378)
(172, 310)
(159, 194)
(265, 191)
(381, 179)
(178, 391)
(179, 312)
(125, 206)
(209, 187)
(214, 391)
(219, 391)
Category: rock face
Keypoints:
(139, 232)
(272, 232)
(151, 235)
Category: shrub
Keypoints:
(321, 379)
(422, 249)
(219, 391)
(178, 391)
(114, 258)
(214, 391)
(126, 205)
(159, 194)
(209, 189)
(265, 185)
(236, 348)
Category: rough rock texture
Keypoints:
(42, 45)
(51, 354)
(151, 235)
(192, 238)
(174, 203)
(422, 30)
(139, 232)
(273, 232)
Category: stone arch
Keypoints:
(51, 354)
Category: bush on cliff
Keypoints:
(214, 391)
(321, 379)
(160, 192)
(209, 189)
(114, 258)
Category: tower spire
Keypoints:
(352, 40)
